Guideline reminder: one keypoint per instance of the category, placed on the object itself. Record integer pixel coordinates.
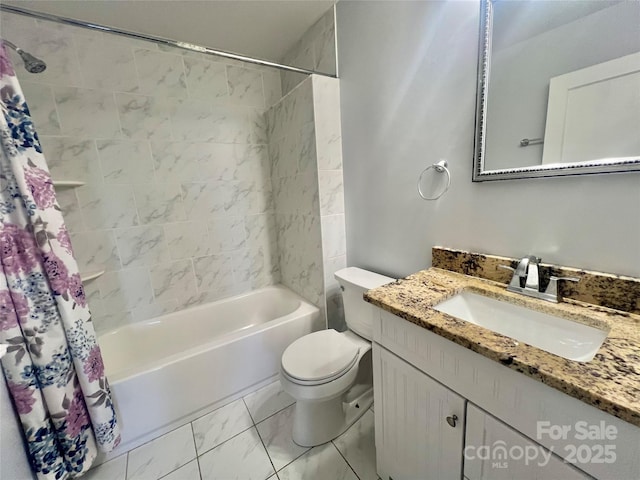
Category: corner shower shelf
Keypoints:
(67, 183)
(88, 276)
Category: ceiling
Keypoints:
(264, 29)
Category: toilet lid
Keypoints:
(319, 356)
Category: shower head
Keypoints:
(31, 64)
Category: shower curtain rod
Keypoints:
(152, 38)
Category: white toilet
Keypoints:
(329, 373)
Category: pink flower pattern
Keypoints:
(41, 186)
(22, 396)
(12, 309)
(93, 365)
(18, 249)
(65, 240)
(57, 273)
(76, 417)
(77, 290)
(5, 64)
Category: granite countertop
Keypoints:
(609, 382)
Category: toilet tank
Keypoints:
(353, 283)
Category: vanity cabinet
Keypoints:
(420, 379)
(422, 423)
(494, 451)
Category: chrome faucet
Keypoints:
(527, 273)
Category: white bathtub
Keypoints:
(169, 370)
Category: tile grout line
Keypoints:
(261, 421)
(248, 410)
(222, 443)
(216, 409)
(150, 441)
(195, 449)
(345, 459)
(267, 452)
(299, 456)
(271, 415)
(199, 469)
(253, 425)
(179, 467)
(198, 455)
(55, 108)
(275, 413)
(261, 441)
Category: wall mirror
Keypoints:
(558, 88)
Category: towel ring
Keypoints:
(439, 167)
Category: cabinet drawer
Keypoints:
(494, 451)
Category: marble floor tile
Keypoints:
(242, 457)
(162, 455)
(357, 446)
(276, 433)
(220, 425)
(267, 401)
(228, 446)
(114, 469)
(320, 463)
(190, 471)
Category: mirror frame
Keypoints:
(480, 173)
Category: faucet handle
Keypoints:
(552, 288)
(569, 279)
(515, 279)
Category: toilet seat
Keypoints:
(319, 357)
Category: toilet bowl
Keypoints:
(329, 373)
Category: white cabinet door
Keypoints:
(494, 451)
(413, 438)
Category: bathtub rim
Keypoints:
(304, 308)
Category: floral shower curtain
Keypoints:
(53, 365)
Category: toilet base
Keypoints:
(315, 423)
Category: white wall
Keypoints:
(408, 78)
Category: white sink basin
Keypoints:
(568, 339)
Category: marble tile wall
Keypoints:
(294, 175)
(328, 133)
(306, 170)
(178, 204)
(316, 50)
